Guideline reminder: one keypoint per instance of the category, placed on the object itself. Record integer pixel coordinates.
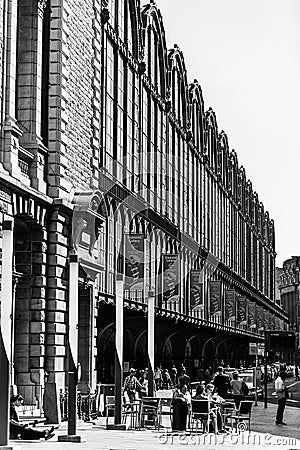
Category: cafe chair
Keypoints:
(200, 413)
(243, 414)
(109, 407)
(150, 408)
(166, 409)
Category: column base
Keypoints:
(120, 427)
(71, 438)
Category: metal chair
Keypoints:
(165, 409)
(243, 414)
(200, 412)
(150, 407)
(131, 410)
(109, 407)
(227, 410)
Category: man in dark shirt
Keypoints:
(184, 379)
(221, 383)
(20, 431)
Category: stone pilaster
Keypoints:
(57, 286)
(58, 98)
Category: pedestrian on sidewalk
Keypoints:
(281, 391)
(236, 388)
(221, 382)
(132, 385)
(22, 431)
(296, 373)
(184, 379)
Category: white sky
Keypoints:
(245, 54)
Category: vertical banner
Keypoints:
(271, 321)
(260, 317)
(134, 262)
(277, 323)
(170, 274)
(266, 319)
(215, 304)
(230, 305)
(242, 311)
(252, 314)
(196, 289)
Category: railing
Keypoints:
(24, 166)
(33, 395)
(87, 408)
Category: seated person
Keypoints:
(199, 393)
(20, 431)
(217, 401)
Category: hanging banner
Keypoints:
(230, 304)
(252, 314)
(196, 289)
(242, 311)
(266, 319)
(277, 323)
(134, 261)
(271, 321)
(260, 317)
(170, 274)
(215, 298)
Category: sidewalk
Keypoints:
(264, 434)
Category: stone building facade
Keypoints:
(101, 135)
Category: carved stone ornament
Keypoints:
(42, 6)
(86, 218)
(105, 16)
(142, 67)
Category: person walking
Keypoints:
(173, 375)
(221, 382)
(22, 431)
(236, 388)
(158, 377)
(184, 379)
(281, 391)
(132, 385)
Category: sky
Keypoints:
(245, 54)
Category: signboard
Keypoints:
(196, 289)
(256, 348)
(170, 273)
(134, 261)
(261, 349)
(252, 348)
(215, 298)
(281, 341)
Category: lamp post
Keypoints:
(119, 351)
(151, 325)
(72, 353)
(6, 329)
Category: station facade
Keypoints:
(103, 142)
